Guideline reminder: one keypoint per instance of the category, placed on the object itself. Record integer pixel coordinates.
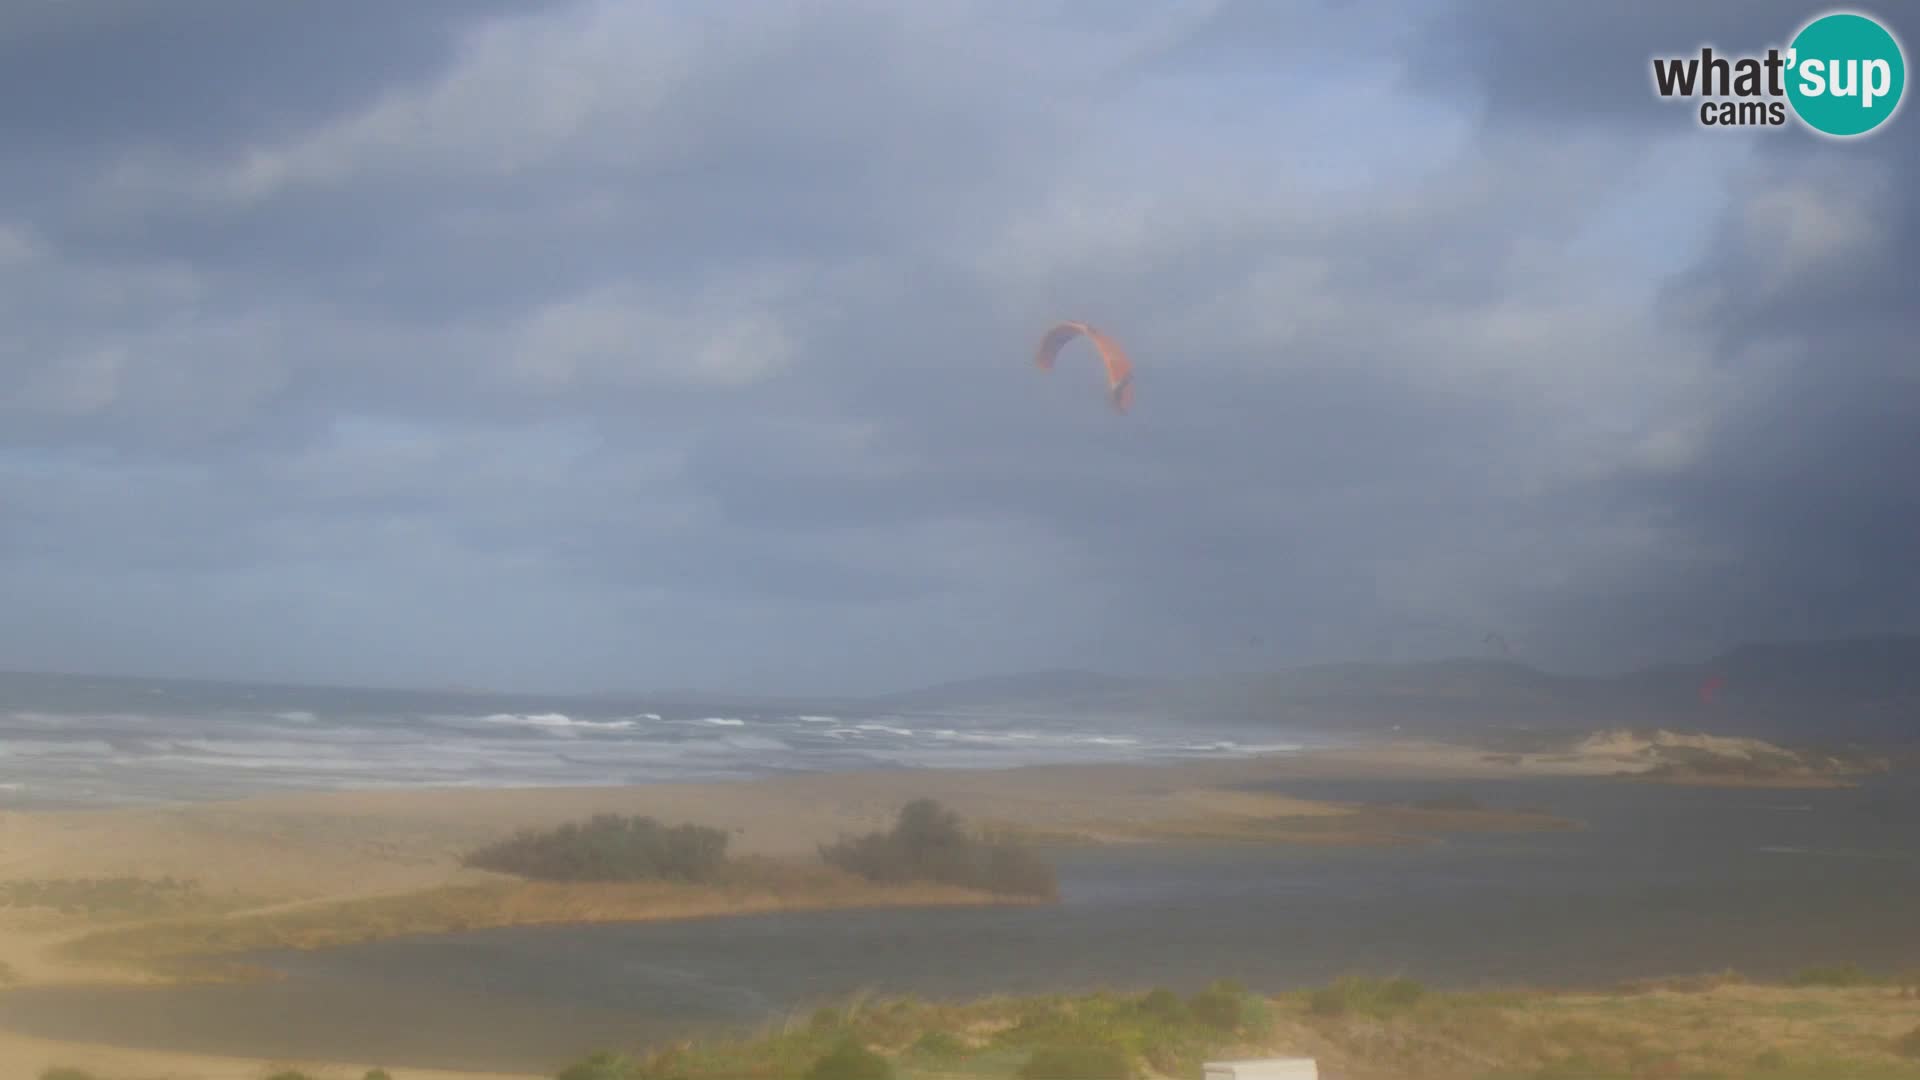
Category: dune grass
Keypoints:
(1359, 1028)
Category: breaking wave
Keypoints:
(196, 750)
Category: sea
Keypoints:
(71, 741)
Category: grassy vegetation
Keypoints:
(605, 1065)
(1840, 975)
(1362, 996)
(749, 886)
(927, 843)
(1358, 1028)
(609, 847)
(1077, 1063)
(104, 896)
(849, 1060)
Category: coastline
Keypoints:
(315, 869)
(312, 870)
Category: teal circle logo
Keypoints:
(1846, 74)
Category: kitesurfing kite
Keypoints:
(1119, 368)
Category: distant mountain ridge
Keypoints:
(1052, 686)
(1850, 689)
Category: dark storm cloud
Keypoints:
(1788, 516)
(86, 76)
(1578, 64)
(617, 343)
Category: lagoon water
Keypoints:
(1658, 881)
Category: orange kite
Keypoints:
(1119, 368)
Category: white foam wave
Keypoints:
(556, 722)
(810, 719)
(296, 716)
(723, 721)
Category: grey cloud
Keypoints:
(732, 384)
(208, 75)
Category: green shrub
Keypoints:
(605, 1065)
(63, 1072)
(1216, 1007)
(1366, 996)
(377, 1074)
(927, 843)
(609, 848)
(1226, 1005)
(1164, 1005)
(1256, 1016)
(1089, 1062)
(1841, 975)
(850, 1061)
(1908, 1045)
(1770, 1060)
(939, 1044)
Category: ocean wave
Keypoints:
(555, 722)
(216, 750)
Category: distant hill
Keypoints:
(1865, 689)
(1056, 688)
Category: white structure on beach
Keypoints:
(1263, 1069)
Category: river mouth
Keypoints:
(1659, 881)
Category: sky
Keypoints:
(598, 345)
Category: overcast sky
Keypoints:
(606, 344)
